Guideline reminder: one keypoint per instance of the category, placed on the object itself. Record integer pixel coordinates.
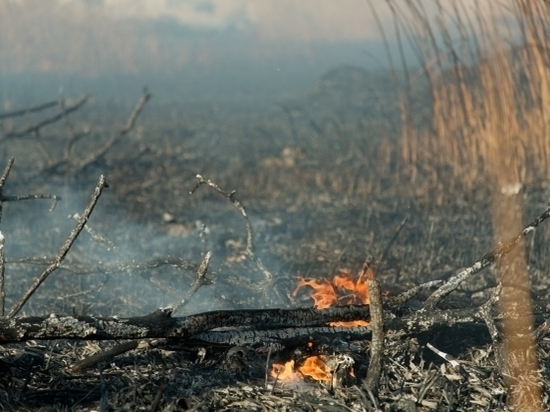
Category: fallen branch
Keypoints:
(130, 123)
(53, 119)
(64, 249)
(249, 237)
(161, 324)
(488, 259)
(377, 341)
(33, 109)
(266, 323)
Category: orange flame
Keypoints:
(285, 372)
(341, 290)
(313, 366)
(316, 367)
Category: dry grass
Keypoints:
(487, 68)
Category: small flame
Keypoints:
(313, 366)
(341, 290)
(285, 372)
(316, 367)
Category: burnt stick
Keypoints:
(101, 184)
(377, 340)
(488, 259)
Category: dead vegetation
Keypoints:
(445, 338)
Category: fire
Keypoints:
(314, 367)
(285, 372)
(342, 289)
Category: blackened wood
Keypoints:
(22, 112)
(101, 184)
(160, 324)
(36, 128)
(251, 337)
(377, 341)
(105, 355)
(488, 259)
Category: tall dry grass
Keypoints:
(487, 69)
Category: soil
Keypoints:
(319, 198)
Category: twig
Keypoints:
(104, 355)
(73, 136)
(98, 237)
(22, 112)
(403, 297)
(64, 249)
(486, 313)
(377, 341)
(36, 128)
(145, 96)
(199, 281)
(3, 178)
(390, 244)
(491, 257)
(249, 237)
(2, 291)
(55, 198)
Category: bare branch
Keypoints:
(3, 178)
(98, 237)
(36, 128)
(201, 280)
(145, 96)
(377, 341)
(22, 112)
(104, 355)
(491, 257)
(64, 249)
(249, 237)
(2, 278)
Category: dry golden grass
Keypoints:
(488, 73)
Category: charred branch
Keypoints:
(102, 183)
(32, 109)
(488, 259)
(160, 324)
(50, 120)
(249, 236)
(130, 123)
(377, 340)
(254, 337)
(268, 324)
(105, 355)
(199, 281)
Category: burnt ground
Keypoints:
(322, 195)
